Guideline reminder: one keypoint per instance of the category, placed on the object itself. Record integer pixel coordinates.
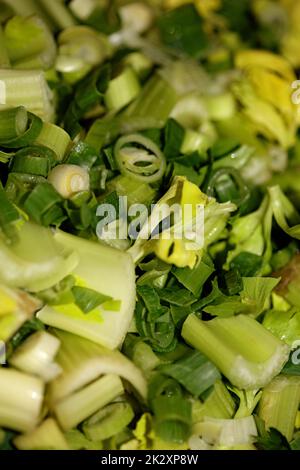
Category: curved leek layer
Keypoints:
(244, 351)
(36, 356)
(47, 436)
(21, 398)
(83, 361)
(36, 261)
(105, 270)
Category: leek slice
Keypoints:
(35, 356)
(21, 398)
(105, 270)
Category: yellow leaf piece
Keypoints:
(270, 122)
(265, 93)
(266, 60)
(176, 250)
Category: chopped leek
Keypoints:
(35, 356)
(21, 398)
(108, 272)
(47, 436)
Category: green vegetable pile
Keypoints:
(115, 332)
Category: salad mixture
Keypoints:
(149, 224)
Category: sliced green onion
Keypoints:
(109, 421)
(227, 185)
(21, 398)
(144, 164)
(40, 201)
(31, 165)
(55, 138)
(47, 436)
(122, 90)
(26, 88)
(103, 131)
(279, 404)
(36, 355)
(172, 418)
(154, 103)
(140, 353)
(69, 179)
(228, 342)
(30, 134)
(13, 123)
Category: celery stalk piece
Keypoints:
(105, 270)
(26, 88)
(75, 408)
(21, 398)
(47, 436)
(244, 351)
(36, 356)
(279, 404)
(83, 361)
(36, 261)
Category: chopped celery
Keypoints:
(229, 343)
